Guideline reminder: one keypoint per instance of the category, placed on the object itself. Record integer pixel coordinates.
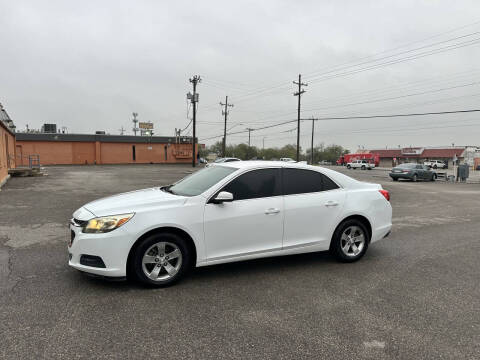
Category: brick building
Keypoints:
(7, 145)
(83, 149)
(389, 157)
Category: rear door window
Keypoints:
(302, 181)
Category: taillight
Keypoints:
(385, 194)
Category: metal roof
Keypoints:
(100, 138)
(446, 152)
(5, 120)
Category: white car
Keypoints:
(228, 212)
(361, 164)
(290, 160)
(436, 164)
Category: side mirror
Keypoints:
(222, 196)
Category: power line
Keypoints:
(401, 60)
(316, 75)
(399, 53)
(350, 118)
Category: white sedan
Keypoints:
(228, 212)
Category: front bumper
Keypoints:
(112, 248)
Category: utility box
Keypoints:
(463, 171)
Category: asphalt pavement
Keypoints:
(414, 295)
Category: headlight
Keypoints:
(106, 223)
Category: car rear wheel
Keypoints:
(363, 167)
(434, 166)
(414, 178)
(350, 241)
(349, 167)
(161, 259)
(395, 179)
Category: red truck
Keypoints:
(345, 159)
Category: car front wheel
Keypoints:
(350, 241)
(161, 259)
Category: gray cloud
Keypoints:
(88, 65)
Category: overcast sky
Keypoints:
(88, 65)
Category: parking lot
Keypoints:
(414, 295)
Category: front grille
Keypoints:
(91, 260)
(81, 223)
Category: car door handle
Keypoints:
(272, 211)
(331, 203)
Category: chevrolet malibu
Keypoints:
(228, 212)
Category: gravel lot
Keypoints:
(414, 295)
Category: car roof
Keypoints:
(340, 178)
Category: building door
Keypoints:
(19, 155)
(6, 151)
(134, 155)
(166, 153)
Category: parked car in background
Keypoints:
(412, 171)
(324, 162)
(436, 164)
(361, 164)
(287, 160)
(226, 159)
(228, 212)
(203, 161)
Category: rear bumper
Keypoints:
(401, 176)
(381, 233)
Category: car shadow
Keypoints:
(241, 270)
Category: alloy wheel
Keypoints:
(352, 241)
(162, 261)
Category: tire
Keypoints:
(435, 166)
(171, 269)
(414, 178)
(341, 247)
(363, 167)
(349, 167)
(395, 179)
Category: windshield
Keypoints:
(407, 166)
(200, 181)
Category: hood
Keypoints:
(133, 201)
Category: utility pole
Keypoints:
(249, 131)
(248, 153)
(313, 129)
(225, 112)
(263, 147)
(122, 130)
(135, 121)
(299, 94)
(194, 99)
